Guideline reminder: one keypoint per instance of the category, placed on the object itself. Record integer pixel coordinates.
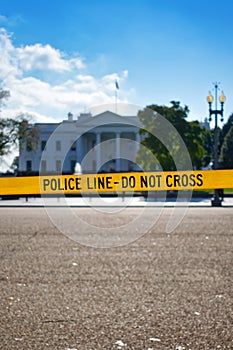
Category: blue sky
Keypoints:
(61, 56)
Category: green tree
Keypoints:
(194, 137)
(226, 155)
(4, 94)
(14, 131)
(156, 154)
(208, 144)
(8, 135)
(223, 132)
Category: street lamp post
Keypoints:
(216, 201)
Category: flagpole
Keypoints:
(116, 88)
(116, 100)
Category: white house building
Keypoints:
(91, 143)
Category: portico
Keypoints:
(106, 151)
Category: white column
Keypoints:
(98, 151)
(118, 151)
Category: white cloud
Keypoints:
(8, 63)
(66, 88)
(77, 63)
(45, 57)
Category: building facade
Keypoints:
(89, 144)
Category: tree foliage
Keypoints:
(226, 127)
(13, 131)
(4, 94)
(208, 144)
(226, 155)
(8, 135)
(160, 151)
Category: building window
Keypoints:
(28, 166)
(29, 145)
(73, 146)
(58, 166)
(58, 145)
(43, 145)
(43, 166)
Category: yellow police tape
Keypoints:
(116, 182)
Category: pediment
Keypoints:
(106, 118)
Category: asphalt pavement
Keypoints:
(160, 291)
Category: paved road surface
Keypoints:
(159, 292)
